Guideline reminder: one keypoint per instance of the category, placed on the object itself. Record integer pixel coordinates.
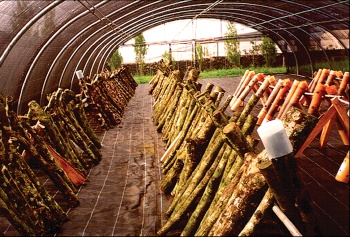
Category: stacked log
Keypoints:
(106, 96)
(210, 167)
(59, 139)
(24, 201)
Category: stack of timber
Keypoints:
(59, 139)
(106, 96)
(220, 185)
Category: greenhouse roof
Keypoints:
(43, 43)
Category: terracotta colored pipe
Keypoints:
(298, 93)
(258, 85)
(314, 80)
(286, 85)
(249, 77)
(288, 97)
(316, 101)
(241, 82)
(331, 77)
(269, 101)
(246, 91)
(324, 75)
(344, 83)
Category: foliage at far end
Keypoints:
(116, 60)
(232, 45)
(140, 49)
(166, 56)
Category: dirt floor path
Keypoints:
(122, 197)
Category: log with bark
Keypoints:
(278, 101)
(227, 223)
(242, 85)
(21, 191)
(269, 101)
(239, 100)
(36, 113)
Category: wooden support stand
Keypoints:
(336, 114)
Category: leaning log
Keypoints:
(36, 113)
(244, 199)
(207, 196)
(258, 215)
(227, 223)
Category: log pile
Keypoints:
(106, 96)
(210, 167)
(59, 139)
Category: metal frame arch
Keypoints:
(176, 18)
(94, 61)
(68, 61)
(185, 6)
(321, 12)
(206, 4)
(71, 21)
(112, 46)
(81, 32)
(295, 37)
(287, 12)
(26, 27)
(305, 48)
(127, 22)
(214, 16)
(82, 43)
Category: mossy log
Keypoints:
(73, 132)
(259, 214)
(236, 139)
(76, 105)
(208, 157)
(170, 178)
(195, 146)
(228, 224)
(160, 85)
(279, 180)
(243, 201)
(154, 81)
(218, 204)
(166, 86)
(252, 102)
(289, 191)
(20, 225)
(42, 156)
(167, 120)
(18, 139)
(83, 128)
(207, 196)
(36, 113)
(199, 179)
(160, 107)
(17, 181)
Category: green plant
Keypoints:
(142, 79)
(166, 56)
(232, 45)
(116, 60)
(221, 73)
(268, 50)
(140, 49)
(199, 55)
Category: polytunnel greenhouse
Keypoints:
(86, 150)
